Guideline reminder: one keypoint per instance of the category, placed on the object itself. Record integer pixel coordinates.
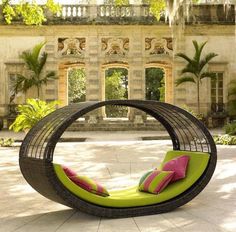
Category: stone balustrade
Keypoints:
(135, 14)
(74, 11)
(103, 11)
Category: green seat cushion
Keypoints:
(131, 196)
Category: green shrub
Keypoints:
(6, 142)
(31, 113)
(198, 116)
(230, 128)
(225, 140)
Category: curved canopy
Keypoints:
(186, 132)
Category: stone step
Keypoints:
(115, 126)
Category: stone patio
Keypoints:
(116, 164)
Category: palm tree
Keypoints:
(232, 98)
(35, 62)
(194, 71)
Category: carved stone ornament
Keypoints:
(158, 46)
(71, 46)
(115, 46)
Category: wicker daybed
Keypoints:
(188, 135)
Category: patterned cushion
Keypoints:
(155, 181)
(85, 182)
(90, 185)
(69, 172)
(178, 166)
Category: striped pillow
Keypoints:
(155, 181)
(89, 185)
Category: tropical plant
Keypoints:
(225, 140)
(194, 71)
(6, 142)
(76, 85)
(230, 128)
(232, 98)
(35, 62)
(198, 116)
(31, 113)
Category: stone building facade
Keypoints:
(96, 40)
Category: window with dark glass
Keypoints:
(217, 97)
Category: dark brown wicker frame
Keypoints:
(36, 154)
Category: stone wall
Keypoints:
(134, 47)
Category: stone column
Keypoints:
(93, 75)
(62, 85)
(50, 91)
(169, 85)
(136, 75)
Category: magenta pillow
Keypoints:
(178, 165)
(69, 172)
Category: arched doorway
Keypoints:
(155, 84)
(70, 92)
(76, 85)
(116, 87)
(166, 88)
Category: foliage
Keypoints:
(230, 128)
(194, 71)
(53, 6)
(76, 85)
(35, 62)
(225, 139)
(31, 113)
(30, 13)
(115, 89)
(156, 7)
(198, 116)
(155, 86)
(6, 142)
(232, 98)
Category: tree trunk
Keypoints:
(198, 97)
(38, 90)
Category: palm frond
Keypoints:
(184, 80)
(198, 50)
(31, 58)
(36, 50)
(208, 75)
(185, 57)
(206, 60)
(42, 62)
(29, 61)
(189, 69)
(17, 85)
(52, 75)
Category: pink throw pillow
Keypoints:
(90, 185)
(69, 172)
(178, 165)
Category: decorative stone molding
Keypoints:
(116, 47)
(158, 46)
(71, 47)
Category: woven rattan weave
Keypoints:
(37, 150)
